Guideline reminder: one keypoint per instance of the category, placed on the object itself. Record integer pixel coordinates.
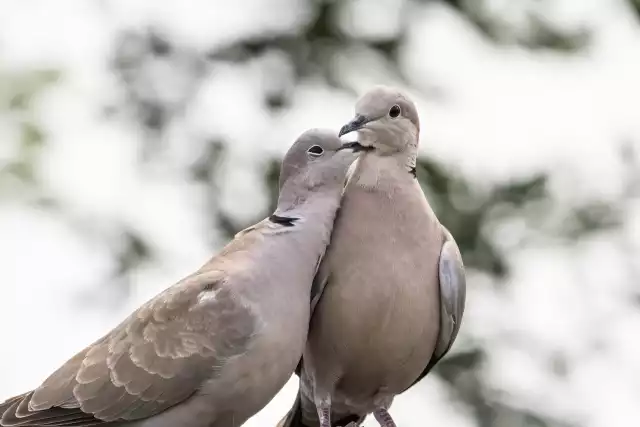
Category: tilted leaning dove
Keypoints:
(213, 349)
(390, 292)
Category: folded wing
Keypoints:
(156, 358)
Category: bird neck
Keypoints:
(399, 145)
(374, 170)
(300, 233)
(296, 209)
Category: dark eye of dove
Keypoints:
(394, 111)
(315, 151)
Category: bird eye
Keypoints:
(315, 151)
(394, 111)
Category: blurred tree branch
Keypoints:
(635, 4)
(18, 90)
(539, 34)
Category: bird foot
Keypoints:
(324, 414)
(383, 418)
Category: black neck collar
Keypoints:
(285, 221)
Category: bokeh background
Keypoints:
(137, 136)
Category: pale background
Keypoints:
(137, 135)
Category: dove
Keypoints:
(213, 349)
(389, 295)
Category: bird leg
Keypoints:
(383, 418)
(324, 413)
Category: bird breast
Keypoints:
(384, 302)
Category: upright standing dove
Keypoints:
(390, 293)
(213, 349)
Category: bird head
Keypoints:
(386, 121)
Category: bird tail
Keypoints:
(293, 418)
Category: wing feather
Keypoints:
(453, 292)
(158, 357)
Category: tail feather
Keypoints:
(294, 416)
(15, 412)
(345, 421)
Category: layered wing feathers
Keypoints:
(158, 357)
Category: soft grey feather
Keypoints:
(214, 348)
(453, 293)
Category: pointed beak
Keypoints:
(357, 123)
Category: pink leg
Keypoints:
(324, 415)
(383, 418)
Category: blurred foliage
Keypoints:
(589, 218)
(463, 371)
(17, 94)
(159, 79)
(537, 33)
(310, 49)
(635, 4)
(447, 189)
(467, 208)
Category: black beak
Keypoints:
(354, 124)
(355, 146)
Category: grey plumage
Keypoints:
(389, 295)
(213, 349)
